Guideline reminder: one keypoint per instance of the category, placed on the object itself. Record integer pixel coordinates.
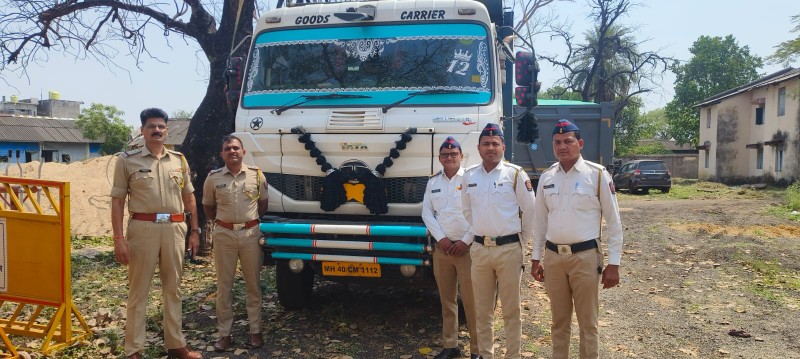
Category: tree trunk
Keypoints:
(213, 120)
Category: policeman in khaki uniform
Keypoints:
(497, 199)
(441, 212)
(574, 195)
(234, 196)
(156, 183)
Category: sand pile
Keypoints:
(90, 185)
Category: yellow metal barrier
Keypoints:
(35, 265)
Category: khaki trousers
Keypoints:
(452, 272)
(231, 247)
(151, 244)
(497, 268)
(572, 280)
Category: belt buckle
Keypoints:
(239, 226)
(564, 249)
(489, 242)
(162, 218)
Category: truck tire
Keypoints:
(294, 289)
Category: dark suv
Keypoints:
(642, 175)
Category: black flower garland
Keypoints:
(527, 128)
(333, 194)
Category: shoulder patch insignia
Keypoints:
(529, 186)
(130, 153)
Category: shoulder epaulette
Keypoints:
(595, 165)
(436, 174)
(472, 167)
(509, 164)
(175, 152)
(254, 168)
(215, 171)
(130, 153)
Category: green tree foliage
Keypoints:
(717, 65)
(628, 128)
(654, 124)
(104, 122)
(788, 51)
(561, 93)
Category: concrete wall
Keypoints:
(75, 151)
(734, 127)
(679, 165)
(59, 108)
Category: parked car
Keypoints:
(642, 175)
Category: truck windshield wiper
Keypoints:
(426, 92)
(309, 98)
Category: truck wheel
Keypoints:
(294, 289)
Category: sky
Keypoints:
(177, 79)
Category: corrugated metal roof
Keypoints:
(770, 79)
(178, 128)
(40, 129)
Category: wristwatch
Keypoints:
(198, 230)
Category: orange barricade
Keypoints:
(35, 265)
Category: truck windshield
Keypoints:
(385, 61)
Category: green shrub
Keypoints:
(793, 196)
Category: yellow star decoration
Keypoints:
(354, 192)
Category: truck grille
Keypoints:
(309, 188)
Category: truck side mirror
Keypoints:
(526, 71)
(233, 75)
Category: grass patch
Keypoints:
(685, 188)
(772, 281)
(793, 196)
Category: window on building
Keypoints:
(707, 156)
(781, 101)
(3, 159)
(760, 159)
(65, 158)
(708, 118)
(779, 159)
(759, 115)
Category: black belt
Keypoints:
(499, 241)
(571, 248)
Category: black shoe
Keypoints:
(448, 353)
(475, 356)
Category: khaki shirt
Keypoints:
(235, 197)
(154, 185)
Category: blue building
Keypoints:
(27, 138)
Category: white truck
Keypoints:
(343, 106)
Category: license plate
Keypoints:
(348, 269)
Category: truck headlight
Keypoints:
(296, 265)
(408, 270)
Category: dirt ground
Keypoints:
(712, 276)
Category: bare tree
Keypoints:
(105, 30)
(608, 66)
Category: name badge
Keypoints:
(222, 185)
(145, 170)
(472, 185)
(436, 190)
(548, 186)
